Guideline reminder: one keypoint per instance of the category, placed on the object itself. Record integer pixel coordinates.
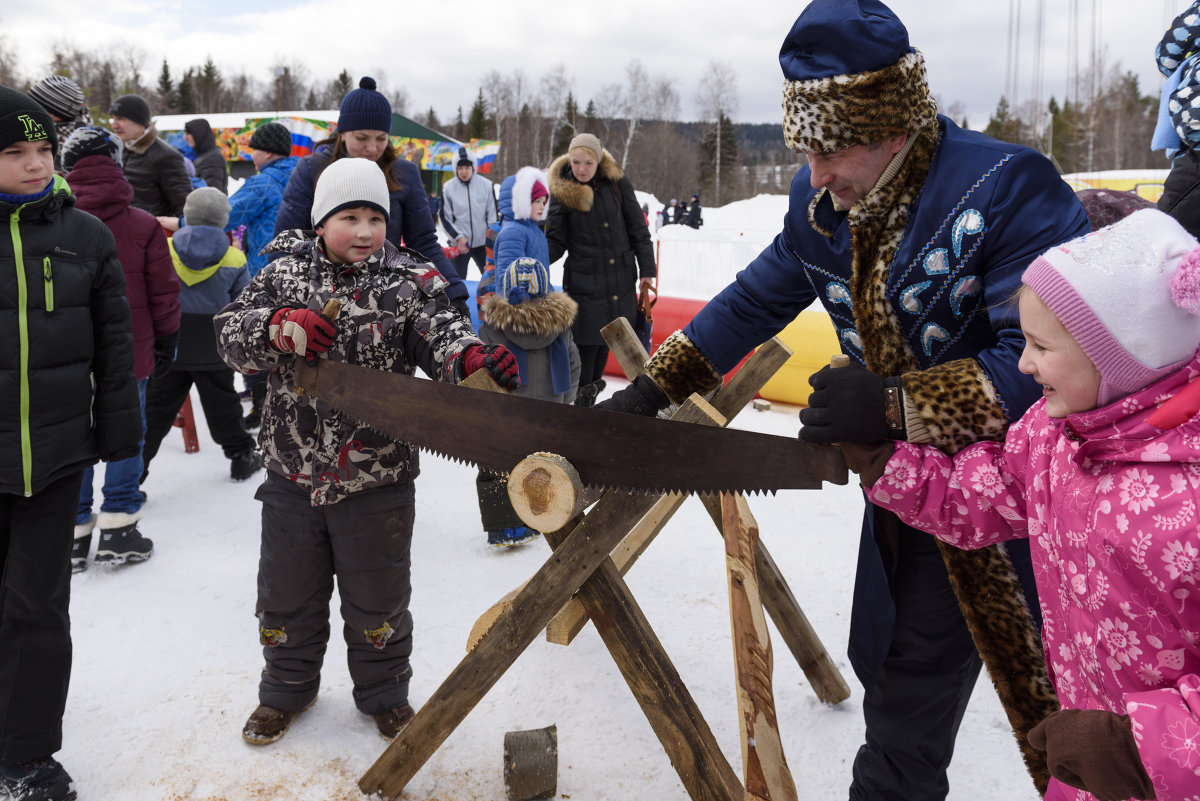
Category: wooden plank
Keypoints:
(585, 548)
(626, 347)
(798, 634)
(764, 765)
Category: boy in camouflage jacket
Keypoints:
(338, 497)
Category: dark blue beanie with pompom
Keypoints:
(365, 109)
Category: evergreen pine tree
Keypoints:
(566, 131)
(589, 117)
(185, 101)
(166, 88)
(460, 127)
(477, 121)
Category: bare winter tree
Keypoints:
(717, 99)
(556, 85)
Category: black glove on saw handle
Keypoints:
(852, 404)
(642, 397)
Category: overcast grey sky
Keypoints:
(439, 50)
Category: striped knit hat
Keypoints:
(59, 95)
(524, 279)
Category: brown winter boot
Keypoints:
(267, 724)
(391, 722)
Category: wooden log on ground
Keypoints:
(545, 491)
(764, 765)
(531, 764)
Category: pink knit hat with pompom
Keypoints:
(1129, 294)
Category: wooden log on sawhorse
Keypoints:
(777, 597)
(581, 564)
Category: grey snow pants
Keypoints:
(365, 541)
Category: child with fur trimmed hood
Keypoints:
(533, 322)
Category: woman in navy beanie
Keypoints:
(364, 121)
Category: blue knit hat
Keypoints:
(365, 109)
(525, 278)
(851, 78)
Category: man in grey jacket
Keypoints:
(468, 208)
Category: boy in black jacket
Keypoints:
(68, 397)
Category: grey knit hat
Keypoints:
(348, 183)
(206, 206)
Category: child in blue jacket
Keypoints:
(212, 273)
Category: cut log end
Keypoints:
(531, 764)
(545, 491)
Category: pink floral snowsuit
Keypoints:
(1109, 503)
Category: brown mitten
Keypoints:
(868, 460)
(1093, 750)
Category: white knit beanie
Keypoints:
(346, 184)
(1130, 296)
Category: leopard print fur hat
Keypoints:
(851, 78)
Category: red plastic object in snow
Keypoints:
(187, 421)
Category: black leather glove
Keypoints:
(460, 306)
(850, 404)
(165, 348)
(1093, 750)
(642, 397)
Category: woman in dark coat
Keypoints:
(362, 132)
(596, 220)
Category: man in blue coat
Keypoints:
(913, 234)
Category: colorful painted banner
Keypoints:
(428, 154)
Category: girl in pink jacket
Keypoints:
(1103, 476)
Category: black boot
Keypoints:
(258, 393)
(120, 540)
(586, 396)
(245, 464)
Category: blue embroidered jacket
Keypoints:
(986, 210)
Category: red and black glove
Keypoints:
(301, 331)
(497, 360)
(1093, 750)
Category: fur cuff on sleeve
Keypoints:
(955, 404)
(680, 369)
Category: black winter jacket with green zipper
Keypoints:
(67, 391)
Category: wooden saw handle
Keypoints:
(305, 377)
(839, 360)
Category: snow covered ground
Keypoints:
(167, 657)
